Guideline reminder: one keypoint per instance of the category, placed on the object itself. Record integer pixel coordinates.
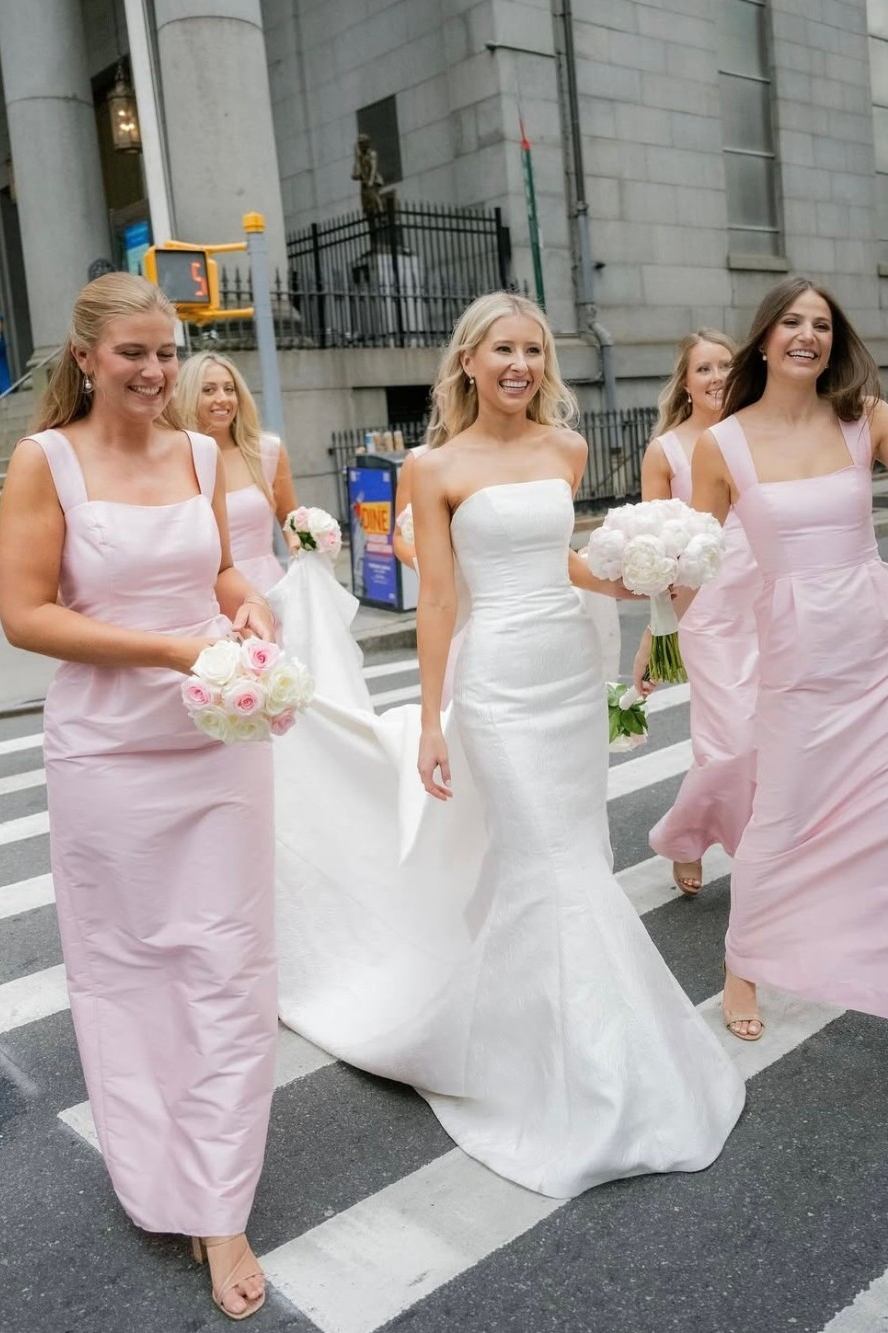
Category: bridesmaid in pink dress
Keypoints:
(212, 397)
(794, 455)
(718, 635)
(114, 558)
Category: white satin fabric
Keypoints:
(482, 950)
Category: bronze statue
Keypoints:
(366, 170)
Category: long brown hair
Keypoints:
(850, 379)
(673, 404)
(112, 296)
(245, 428)
(454, 400)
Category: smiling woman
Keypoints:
(114, 557)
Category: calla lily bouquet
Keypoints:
(627, 719)
(246, 691)
(653, 547)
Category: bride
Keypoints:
(477, 945)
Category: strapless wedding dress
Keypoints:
(482, 950)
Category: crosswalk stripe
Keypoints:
(867, 1313)
(25, 895)
(16, 743)
(650, 768)
(670, 697)
(390, 668)
(37, 995)
(29, 826)
(371, 1262)
(648, 884)
(400, 696)
(35, 777)
(296, 1058)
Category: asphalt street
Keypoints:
(368, 1218)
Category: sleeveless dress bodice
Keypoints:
(251, 523)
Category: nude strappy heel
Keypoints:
(731, 1019)
(243, 1266)
(680, 881)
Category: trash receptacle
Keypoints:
(378, 577)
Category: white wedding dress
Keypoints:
(482, 949)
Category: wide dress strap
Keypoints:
(269, 453)
(67, 474)
(859, 441)
(731, 440)
(675, 455)
(205, 453)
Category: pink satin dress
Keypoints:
(162, 860)
(251, 523)
(719, 645)
(809, 890)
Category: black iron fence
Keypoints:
(396, 278)
(613, 472)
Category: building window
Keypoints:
(747, 137)
(877, 23)
(379, 121)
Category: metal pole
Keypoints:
(533, 223)
(585, 266)
(257, 249)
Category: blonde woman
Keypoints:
(212, 397)
(114, 557)
(719, 638)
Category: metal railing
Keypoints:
(616, 442)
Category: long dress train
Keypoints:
(483, 950)
(162, 858)
(719, 645)
(809, 890)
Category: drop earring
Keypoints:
(87, 384)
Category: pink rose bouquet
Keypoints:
(314, 530)
(246, 691)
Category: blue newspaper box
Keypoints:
(378, 577)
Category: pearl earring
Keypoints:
(87, 384)
(764, 356)
(471, 381)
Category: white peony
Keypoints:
(289, 684)
(700, 561)
(647, 569)
(704, 525)
(319, 522)
(218, 664)
(675, 535)
(604, 555)
(405, 524)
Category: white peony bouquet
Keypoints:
(314, 530)
(627, 719)
(405, 524)
(246, 691)
(653, 547)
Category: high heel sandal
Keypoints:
(732, 1019)
(681, 881)
(245, 1266)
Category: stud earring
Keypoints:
(764, 356)
(471, 379)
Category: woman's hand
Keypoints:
(254, 618)
(432, 756)
(640, 665)
(184, 652)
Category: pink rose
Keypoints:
(297, 519)
(196, 695)
(281, 724)
(330, 542)
(243, 697)
(259, 655)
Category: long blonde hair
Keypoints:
(113, 296)
(245, 428)
(673, 403)
(454, 399)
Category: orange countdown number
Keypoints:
(201, 292)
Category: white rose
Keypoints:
(319, 521)
(289, 684)
(254, 728)
(647, 569)
(215, 723)
(604, 555)
(700, 561)
(218, 663)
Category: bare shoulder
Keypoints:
(28, 462)
(571, 446)
(707, 453)
(431, 470)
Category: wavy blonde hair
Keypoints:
(673, 404)
(245, 428)
(113, 296)
(454, 399)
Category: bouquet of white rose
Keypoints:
(246, 691)
(653, 547)
(314, 530)
(405, 524)
(627, 719)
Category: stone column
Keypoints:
(55, 156)
(220, 132)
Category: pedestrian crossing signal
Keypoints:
(189, 277)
